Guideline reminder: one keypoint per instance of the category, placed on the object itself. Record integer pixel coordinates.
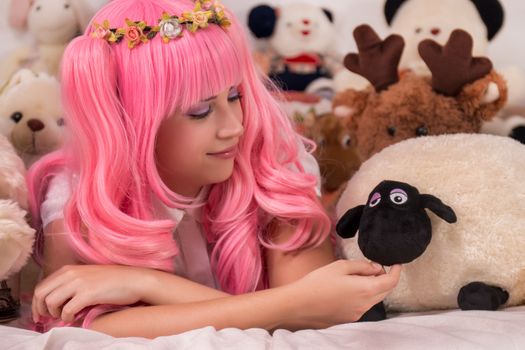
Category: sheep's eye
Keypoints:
(61, 122)
(66, 6)
(38, 8)
(376, 198)
(398, 196)
(418, 30)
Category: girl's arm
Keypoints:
(339, 292)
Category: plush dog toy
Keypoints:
(475, 263)
(462, 92)
(301, 38)
(31, 115)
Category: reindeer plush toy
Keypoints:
(462, 92)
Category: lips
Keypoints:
(226, 153)
(305, 32)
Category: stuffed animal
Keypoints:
(417, 20)
(53, 24)
(462, 92)
(301, 38)
(512, 126)
(16, 236)
(31, 114)
(475, 263)
(335, 152)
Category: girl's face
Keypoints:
(197, 147)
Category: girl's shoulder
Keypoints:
(57, 194)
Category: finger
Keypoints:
(43, 291)
(357, 267)
(386, 282)
(57, 298)
(72, 307)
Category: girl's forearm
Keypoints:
(163, 288)
(268, 309)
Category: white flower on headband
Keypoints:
(170, 29)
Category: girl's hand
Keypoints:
(74, 287)
(342, 291)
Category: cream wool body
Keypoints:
(481, 178)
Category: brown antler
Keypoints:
(377, 60)
(452, 65)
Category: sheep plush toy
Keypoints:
(302, 49)
(474, 180)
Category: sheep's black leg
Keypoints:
(376, 313)
(481, 296)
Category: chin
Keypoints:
(221, 175)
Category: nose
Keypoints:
(306, 21)
(35, 125)
(231, 127)
(435, 31)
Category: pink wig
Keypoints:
(116, 98)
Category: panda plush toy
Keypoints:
(301, 54)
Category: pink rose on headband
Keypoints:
(133, 34)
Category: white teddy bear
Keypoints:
(31, 114)
(52, 24)
(481, 178)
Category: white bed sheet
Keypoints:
(455, 329)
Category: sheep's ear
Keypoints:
(437, 207)
(348, 225)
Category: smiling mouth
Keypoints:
(227, 153)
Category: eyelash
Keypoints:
(208, 112)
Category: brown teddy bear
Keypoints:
(463, 91)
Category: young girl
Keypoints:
(182, 197)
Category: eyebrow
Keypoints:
(209, 99)
(214, 97)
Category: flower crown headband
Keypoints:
(169, 27)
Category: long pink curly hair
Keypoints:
(115, 98)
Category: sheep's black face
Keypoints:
(394, 228)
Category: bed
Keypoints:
(436, 330)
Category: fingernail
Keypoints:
(376, 265)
